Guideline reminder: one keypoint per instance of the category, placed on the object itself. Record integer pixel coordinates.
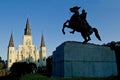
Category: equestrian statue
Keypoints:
(79, 23)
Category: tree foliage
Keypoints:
(21, 68)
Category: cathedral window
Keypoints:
(10, 51)
(44, 59)
(29, 43)
(28, 60)
(10, 60)
(16, 60)
(22, 57)
(38, 60)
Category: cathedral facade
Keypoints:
(27, 52)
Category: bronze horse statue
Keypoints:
(78, 23)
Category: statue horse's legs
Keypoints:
(85, 36)
(68, 25)
(89, 38)
(63, 29)
(65, 25)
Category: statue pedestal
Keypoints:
(74, 59)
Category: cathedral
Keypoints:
(27, 52)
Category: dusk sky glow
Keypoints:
(47, 17)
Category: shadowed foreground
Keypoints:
(40, 77)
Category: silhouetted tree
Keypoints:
(2, 64)
(0, 58)
(49, 64)
(32, 67)
(21, 68)
(116, 47)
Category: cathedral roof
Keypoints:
(27, 29)
(11, 43)
(42, 42)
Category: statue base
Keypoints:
(74, 59)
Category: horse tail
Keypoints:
(97, 34)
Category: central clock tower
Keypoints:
(27, 38)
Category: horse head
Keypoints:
(74, 9)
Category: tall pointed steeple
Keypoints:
(11, 43)
(27, 29)
(42, 42)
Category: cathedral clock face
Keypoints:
(28, 42)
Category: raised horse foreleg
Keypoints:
(65, 25)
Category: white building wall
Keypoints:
(27, 40)
(27, 52)
(43, 56)
(11, 51)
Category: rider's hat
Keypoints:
(73, 9)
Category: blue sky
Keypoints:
(48, 16)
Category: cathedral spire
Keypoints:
(42, 41)
(11, 43)
(27, 29)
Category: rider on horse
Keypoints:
(79, 23)
(84, 22)
(78, 19)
